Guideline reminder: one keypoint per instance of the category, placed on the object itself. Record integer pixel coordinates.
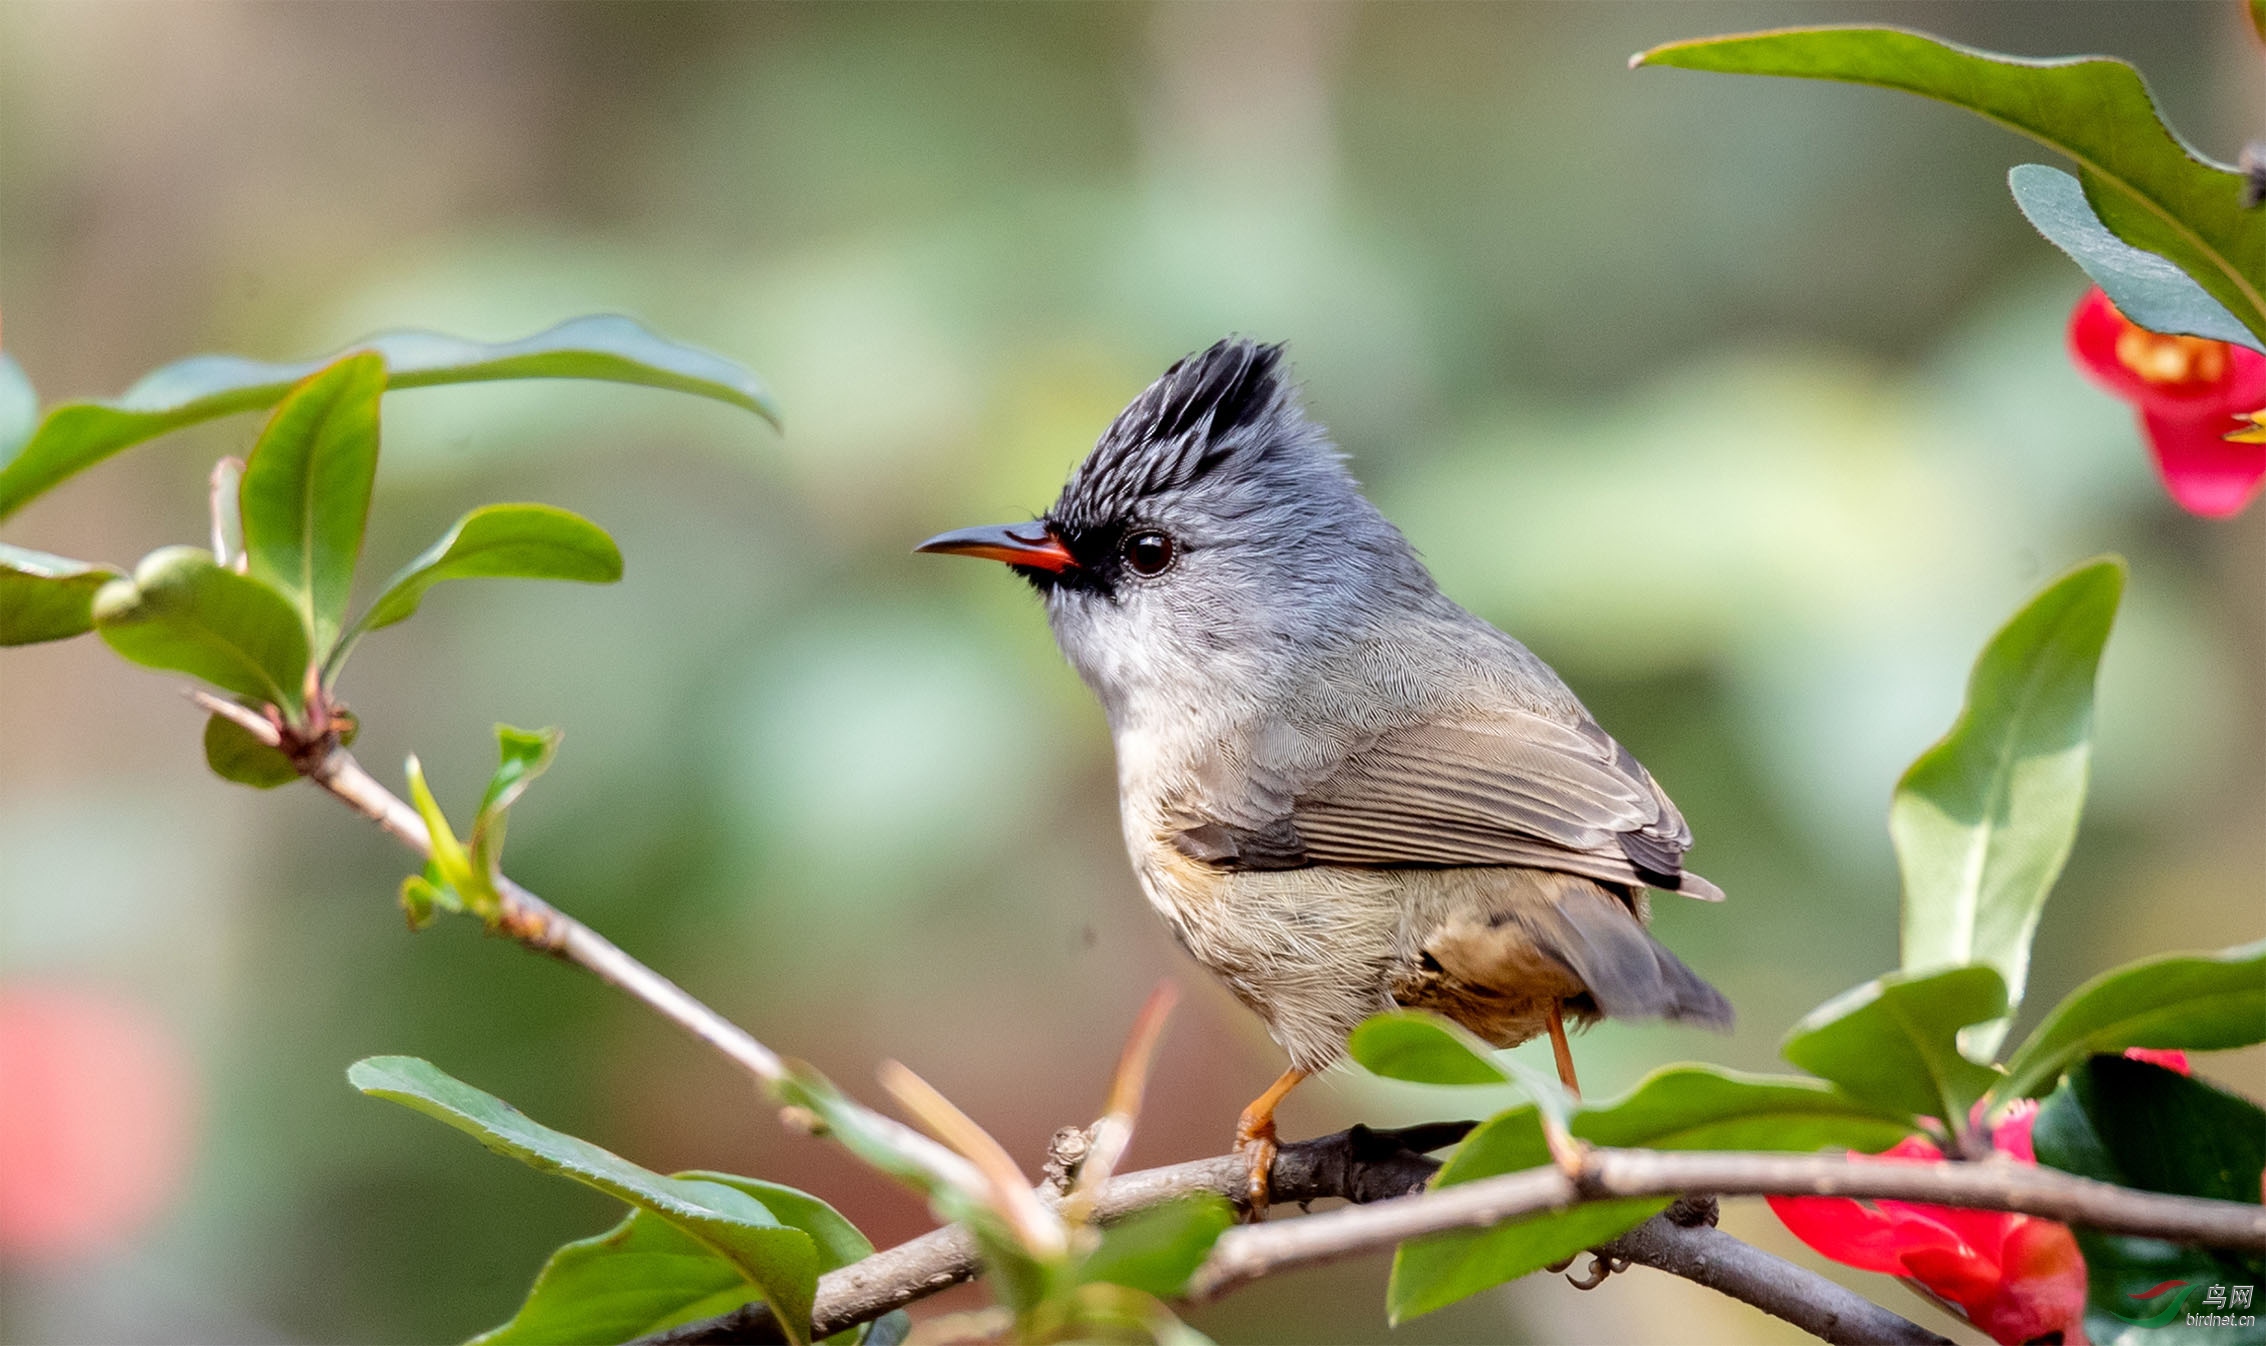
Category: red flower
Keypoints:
(96, 1121)
(2192, 393)
(2016, 1277)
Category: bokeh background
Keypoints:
(1743, 402)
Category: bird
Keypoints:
(1342, 792)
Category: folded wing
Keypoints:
(1510, 788)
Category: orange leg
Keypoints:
(1563, 1051)
(1255, 1136)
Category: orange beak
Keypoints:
(1017, 544)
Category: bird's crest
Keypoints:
(1177, 432)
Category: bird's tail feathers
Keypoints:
(1629, 974)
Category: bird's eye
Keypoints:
(1148, 553)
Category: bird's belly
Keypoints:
(1313, 952)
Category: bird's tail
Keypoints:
(1552, 924)
(1629, 974)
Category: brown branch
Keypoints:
(1379, 1167)
(526, 917)
(1358, 1165)
(1246, 1254)
(1707, 1256)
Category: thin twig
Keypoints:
(1334, 1167)
(1360, 1165)
(526, 917)
(1244, 1255)
(542, 927)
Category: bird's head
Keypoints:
(1211, 539)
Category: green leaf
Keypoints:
(2139, 1125)
(424, 896)
(1434, 1272)
(1680, 1108)
(2143, 182)
(45, 597)
(640, 1277)
(644, 1275)
(1705, 1108)
(521, 756)
(77, 435)
(1984, 820)
(233, 754)
(2144, 287)
(1158, 1249)
(499, 542)
(952, 1185)
(306, 490)
(955, 1189)
(1422, 1049)
(738, 1227)
(182, 612)
(2203, 1002)
(1894, 1041)
(452, 880)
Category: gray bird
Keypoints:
(1341, 791)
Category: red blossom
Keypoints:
(96, 1121)
(2191, 394)
(2016, 1277)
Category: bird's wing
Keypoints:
(1505, 788)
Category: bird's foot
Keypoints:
(1256, 1142)
(1255, 1137)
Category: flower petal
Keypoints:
(2096, 331)
(2011, 1137)
(2041, 1290)
(1869, 1238)
(2170, 1058)
(2205, 473)
(1957, 1274)
(1979, 1231)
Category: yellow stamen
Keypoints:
(2158, 358)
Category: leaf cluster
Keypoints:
(265, 614)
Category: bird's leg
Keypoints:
(1255, 1136)
(1563, 1051)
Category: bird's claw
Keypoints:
(1259, 1146)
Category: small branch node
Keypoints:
(1065, 1155)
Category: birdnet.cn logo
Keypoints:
(2203, 1306)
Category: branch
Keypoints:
(1246, 1254)
(1382, 1168)
(1707, 1256)
(526, 917)
(1358, 1165)
(542, 927)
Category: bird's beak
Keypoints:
(1018, 544)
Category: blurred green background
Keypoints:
(1743, 402)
